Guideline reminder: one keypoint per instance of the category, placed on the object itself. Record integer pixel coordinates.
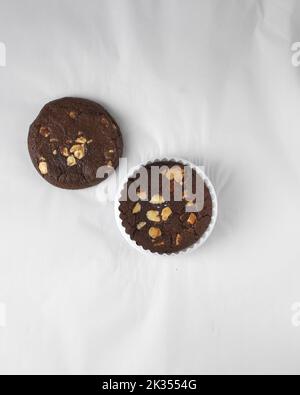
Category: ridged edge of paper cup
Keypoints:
(207, 182)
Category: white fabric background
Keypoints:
(207, 80)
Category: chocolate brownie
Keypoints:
(71, 139)
(169, 214)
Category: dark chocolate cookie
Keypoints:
(170, 214)
(71, 139)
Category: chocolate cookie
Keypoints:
(168, 214)
(71, 139)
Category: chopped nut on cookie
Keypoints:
(137, 208)
(140, 225)
(165, 214)
(108, 154)
(178, 239)
(175, 173)
(71, 161)
(43, 167)
(78, 151)
(44, 131)
(192, 219)
(173, 227)
(72, 114)
(81, 140)
(153, 215)
(104, 121)
(154, 233)
(190, 204)
(188, 196)
(157, 199)
(142, 195)
(64, 151)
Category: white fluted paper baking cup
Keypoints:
(209, 185)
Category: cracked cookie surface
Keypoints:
(71, 139)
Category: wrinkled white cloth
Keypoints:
(211, 81)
